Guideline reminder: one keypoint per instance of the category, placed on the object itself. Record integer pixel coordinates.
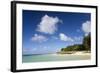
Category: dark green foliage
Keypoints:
(87, 42)
(74, 48)
(86, 46)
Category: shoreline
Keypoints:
(66, 53)
(74, 53)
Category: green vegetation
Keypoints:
(85, 46)
(87, 42)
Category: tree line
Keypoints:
(85, 46)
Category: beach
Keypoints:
(56, 57)
(74, 53)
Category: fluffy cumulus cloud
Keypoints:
(64, 37)
(39, 38)
(48, 24)
(86, 27)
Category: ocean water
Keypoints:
(53, 57)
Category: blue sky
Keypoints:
(48, 32)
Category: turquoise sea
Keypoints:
(53, 57)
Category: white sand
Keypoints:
(77, 53)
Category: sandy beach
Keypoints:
(84, 53)
(68, 56)
(57, 57)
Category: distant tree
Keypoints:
(76, 47)
(62, 49)
(79, 47)
(86, 45)
(87, 42)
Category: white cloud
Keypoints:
(64, 37)
(86, 27)
(39, 38)
(48, 24)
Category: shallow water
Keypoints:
(53, 57)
